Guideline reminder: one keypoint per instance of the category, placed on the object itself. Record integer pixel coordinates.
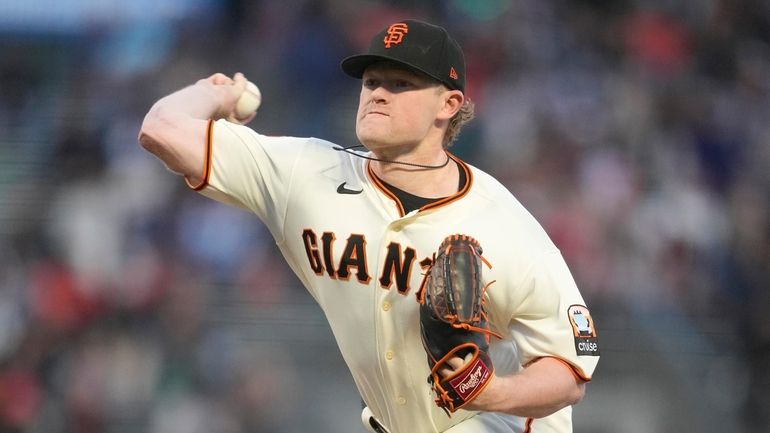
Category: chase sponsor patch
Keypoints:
(583, 328)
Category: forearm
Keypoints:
(197, 101)
(539, 390)
(175, 137)
(174, 129)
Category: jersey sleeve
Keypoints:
(550, 319)
(250, 171)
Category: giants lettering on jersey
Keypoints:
(396, 267)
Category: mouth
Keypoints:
(376, 113)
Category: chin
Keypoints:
(370, 144)
(371, 141)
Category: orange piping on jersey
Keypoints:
(528, 425)
(384, 190)
(574, 370)
(207, 162)
(460, 194)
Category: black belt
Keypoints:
(376, 426)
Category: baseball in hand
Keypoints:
(249, 102)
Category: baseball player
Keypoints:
(360, 227)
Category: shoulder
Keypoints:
(514, 223)
(228, 131)
(487, 183)
(487, 188)
(314, 149)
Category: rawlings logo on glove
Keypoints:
(453, 322)
(466, 385)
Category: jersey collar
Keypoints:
(436, 204)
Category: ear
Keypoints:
(452, 101)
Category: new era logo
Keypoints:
(453, 74)
(395, 34)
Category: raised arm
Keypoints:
(174, 129)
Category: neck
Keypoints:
(439, 181)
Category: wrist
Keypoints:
(206, 102)
(489, 398)
(199, 101)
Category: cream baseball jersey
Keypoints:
(362, 259)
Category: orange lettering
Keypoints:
(395, 34)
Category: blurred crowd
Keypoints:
(636, 131)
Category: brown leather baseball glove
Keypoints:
(453, 322)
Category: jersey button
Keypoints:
(389, 355)
(401, 400)
(386, 306)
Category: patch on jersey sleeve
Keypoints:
(583, 328)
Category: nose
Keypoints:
(379, 94)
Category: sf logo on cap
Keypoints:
(395, 34)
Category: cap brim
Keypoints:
(356, 65)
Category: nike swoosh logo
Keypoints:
(342, 190)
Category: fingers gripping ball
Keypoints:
(249, 102)
(453, 322)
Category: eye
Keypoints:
(370, 83)
(402, 84)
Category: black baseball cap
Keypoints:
(418, 45)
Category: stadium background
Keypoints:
(636, 131)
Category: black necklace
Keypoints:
(347, 150)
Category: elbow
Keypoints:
(163, 134)
(147, 142)
(151, 138)
(569, 397)
(149, 133)
(577, 394)
(157, 133)
(145, 139)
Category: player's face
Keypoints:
(397, 108)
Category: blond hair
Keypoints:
(466, 113)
